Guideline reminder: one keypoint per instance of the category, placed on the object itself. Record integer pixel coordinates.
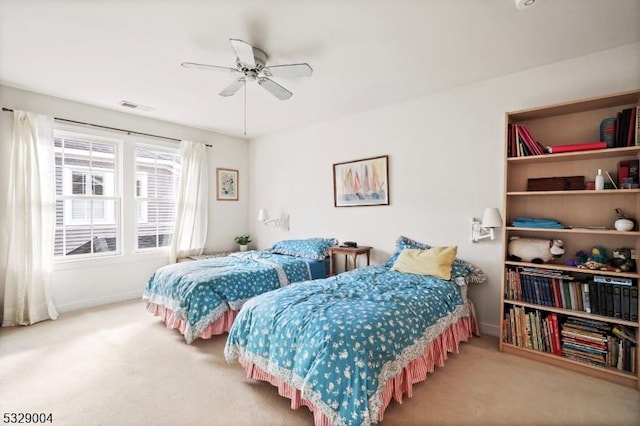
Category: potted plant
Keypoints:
(243, 241)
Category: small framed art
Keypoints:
(361, 182)
(226, 184)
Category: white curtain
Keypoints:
(190, 232)
(30, 222)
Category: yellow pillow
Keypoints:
(436, 261)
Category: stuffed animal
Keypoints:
(534, 250)
(623, 260)
(598, 254)
(581, 258)
(597, 260)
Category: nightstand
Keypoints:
(349, 252)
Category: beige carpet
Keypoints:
(119, 365)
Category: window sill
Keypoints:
(92, 262)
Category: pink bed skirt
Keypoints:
(416, 371)
(219, 326)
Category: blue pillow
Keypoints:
(460, 268)
(311, 248)
(402, 243)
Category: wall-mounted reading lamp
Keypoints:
(481, 230)
(281, 222)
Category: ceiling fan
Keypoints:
(251, 64)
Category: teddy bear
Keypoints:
(623, 260)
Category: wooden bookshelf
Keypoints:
(588, 215)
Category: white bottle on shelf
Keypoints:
(599, 181)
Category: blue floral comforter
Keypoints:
(199, 292)
(340, 339)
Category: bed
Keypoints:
(201, 298)
(344, 346)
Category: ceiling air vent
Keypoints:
(133, 105)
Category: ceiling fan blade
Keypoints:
(231, 89)
(208, 67)
(275, 89)
(289, 70)
(244, 52)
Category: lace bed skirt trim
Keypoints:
(219, 326)
(435, 354)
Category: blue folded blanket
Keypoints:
(532, 222)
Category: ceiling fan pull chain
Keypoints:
(245, 107)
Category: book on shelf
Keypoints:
(594, 301)
(512, 322)
(637, 135)
(633, 303)
(586, 300)
(515, 318)
(521, 142)
(632, 127)
(623, 348)
(628, 172)
(555, 331)
(576, 297)
(615, 297)
(609, 299)
(557, 297)
(602, 299)
(617, 301)
(622, 127)
(612, 280)
(585, 146)
(623, 171)
(530, 329)
(532, 145)
(626, 303)
(627, 127)
(585, 341)
(634, 171)
(527, 329)
(624, 333)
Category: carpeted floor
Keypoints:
(119, 365)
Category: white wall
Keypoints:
(446, 164)
(83, 283)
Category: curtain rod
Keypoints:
(112, 128)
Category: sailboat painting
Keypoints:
(361, 182)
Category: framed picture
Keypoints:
(226, 184)
(361, 182)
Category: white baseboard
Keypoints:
(100, 301)
(490, 329)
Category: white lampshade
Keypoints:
(491, 218)
(262, 215)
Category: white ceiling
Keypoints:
(364, 54)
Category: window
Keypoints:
(156, 193)
(80, 211)
(141, 193)
(93, 212)
(87, 197)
